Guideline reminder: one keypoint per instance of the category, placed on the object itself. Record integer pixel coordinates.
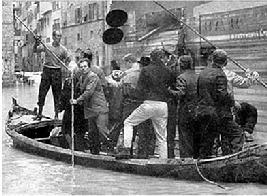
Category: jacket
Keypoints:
(212, 91)
(92, 96)
(154, 81)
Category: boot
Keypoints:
(123, 153)
(39, 115)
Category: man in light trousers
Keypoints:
(152, 87)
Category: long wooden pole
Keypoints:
(204, 38)
(72, 120)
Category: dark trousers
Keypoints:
(232, 137)
(188, 138)
(171, 127)
(80, 126)
(93, 136)
(50, 77)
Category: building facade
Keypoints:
(8, 58)
(149, 26)
(83, 24)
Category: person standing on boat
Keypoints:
(80, 123)
(214, 109)
(153, 84)
(186, 91)
(52, 73)
(97, 70)
(95, 105)
(235, 80)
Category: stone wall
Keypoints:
(7, 44)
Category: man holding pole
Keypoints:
(52, 74)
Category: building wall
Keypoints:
(85, 33)
(225, 6)
(8, 63)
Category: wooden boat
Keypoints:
(249, 165)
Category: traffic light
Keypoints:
(114, 19)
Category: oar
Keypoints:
(204, 38)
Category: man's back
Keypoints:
(212, 87)
(154, 81)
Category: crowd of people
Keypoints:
(147, 102)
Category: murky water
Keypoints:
(23, 173)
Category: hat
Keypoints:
(144, 60)
(129, 58)
(157, 54)
(219, 56)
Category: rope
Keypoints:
(207, 180)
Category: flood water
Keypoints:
(27, 174)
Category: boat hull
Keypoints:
(246, 166)
(249, 165)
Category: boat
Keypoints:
(32, 136)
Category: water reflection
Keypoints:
(23, 173)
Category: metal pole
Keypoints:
(196, 32)
(53, 54)
(72, 121)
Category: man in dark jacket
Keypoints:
(214, 109)
(153, 84)
(95, 105)
(80, 124)
(186, 92)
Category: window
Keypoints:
(55, 5)
(56, 25)
(78, 36)
(97, 58)
(232, 23)
(95, 8)
(91, 34)
(78, 15)
(216, 25)
(91, 12)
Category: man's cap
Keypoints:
(129, 58)
(219, 56)
(144, 60)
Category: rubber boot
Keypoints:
(39, 115)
